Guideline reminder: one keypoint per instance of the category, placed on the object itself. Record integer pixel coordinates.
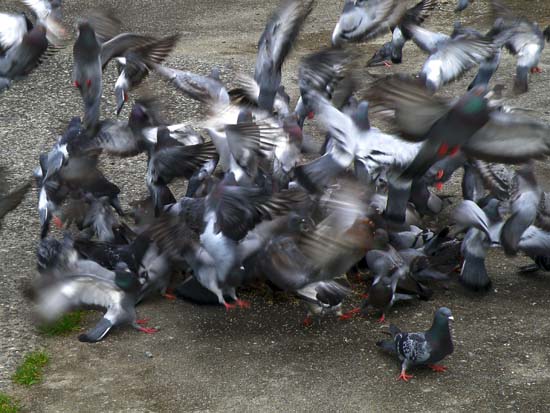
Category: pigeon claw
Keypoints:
(311, 115)
(57, 222)
(169, 296)
(454, 150)
(365, 296)
(242, 303)
(437, 368)
(439, 174)
(382, 319)
(439, 186)
(404, 376)
(387, 64)
(308, 321)
(148, 330)
(536, 69)
(229, 306)
(142, 321)
(443, 149)
(350, 314)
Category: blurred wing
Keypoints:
(460, 55)
(121, 44)
(12, 30)
(105, 24)
(157, 50)
(239, 209)
(275, 44)
(171, 161)
(509, 138)
(413, 107)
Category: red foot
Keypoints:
(311, 115)
(365, 296)
(242, 303)
(439, 186)
(382, 319)
(437, 368)
(88, 83)
(169, 296)
(142, 321)
(76, 84)
(454, 150)
(443, 149)
(57, 222)
(229, 306)
(147, 330)
(387, 64)
(404, 376)
(307, 321)
(125, 97)
(350, 314)
(536, 69)
(439, 174)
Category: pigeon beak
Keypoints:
(451, 318)
(120, 99)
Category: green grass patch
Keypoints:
(8, 404)
(30, 372)
(66, 324)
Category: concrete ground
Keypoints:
(260, 359)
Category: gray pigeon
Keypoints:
(418, 349)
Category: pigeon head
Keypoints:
(125, 279)
(443, 314)
(299, 224)
(474, 104)
(381, 55)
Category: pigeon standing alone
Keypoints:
(417, 349)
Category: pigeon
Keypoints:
(365, 20)
(400, 35)
(274, 45)
(452, 58)
(23, 56)
(135, 65)
(524, 205)
(322, 298)
(206, 89)
(117, 297)
(523, 39)
(417, 349)
(483, 231)
(392, 278)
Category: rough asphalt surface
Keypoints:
(260, 359)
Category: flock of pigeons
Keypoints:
(254, 210)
